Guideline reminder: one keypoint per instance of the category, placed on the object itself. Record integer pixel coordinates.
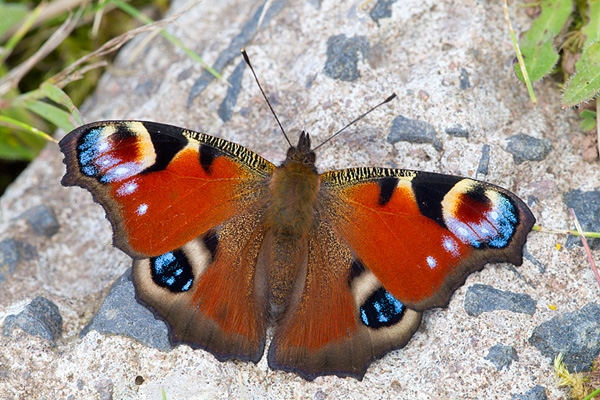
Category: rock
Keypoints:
(382, 9)
(502, 356)
(457, 130)
(464, 79)
(527, 148)
(121, 314)
(535, 393)
(413, 131)
(342, 57)
(40, 318)
(230, 100)
(240, 41)
(484, 161)
(586, 206)
(575, 334)
(484, 298)
(42, 220)
(12, 252)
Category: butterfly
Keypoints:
(341, 264)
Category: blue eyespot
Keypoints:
(381, 309)
(172, 271)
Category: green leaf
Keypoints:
(51, 113)
(18, 145)
(592, 30)
(537, 44)
(57, 95)
(585, 84)
(587, 124)
(12, 14)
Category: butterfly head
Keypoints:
(301, 153)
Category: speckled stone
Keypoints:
(575, 334)
(457, 130)
(413, 131)
(527, 148)
(42, 220)
(40, 317)
(342, 57)
(382, 9)
(535, 393)
(502, 356)
(121, 314)
(586, 205)
(235, 80)
(12, 252)
(484, 298)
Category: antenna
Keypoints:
(390, 98)
(247, 59)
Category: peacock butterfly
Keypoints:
(342, 264)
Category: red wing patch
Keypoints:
(161, 186)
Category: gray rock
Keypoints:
(121, 314)
(40, 318)
(484, 298)
(342, 57)
(535, 393)
(240, 41)
(42, 220)
(502, 356)
(104, 388)
(464, 79)
(457, 130)
(484, 161)
(575, 334)
(587, 208)
(413, 131)
(12, 252)
(226, 108)
(382, 9)
(527, 148)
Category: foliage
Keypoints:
(563, 27)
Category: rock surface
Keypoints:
(450, 63)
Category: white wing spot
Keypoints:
(450, 246)
(432, 262)
(142, 209)
(127, 188)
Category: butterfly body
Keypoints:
(341, 264)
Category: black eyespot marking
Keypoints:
(477, 193)
(172, 271)
(430, 190)
(386, 189)
(208, 154)
(381, 310)
(167, 141)
(356, 269)
(211, 241)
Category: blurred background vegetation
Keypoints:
(38, 41)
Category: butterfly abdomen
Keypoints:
(289, 218)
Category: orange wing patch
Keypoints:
(408, 252)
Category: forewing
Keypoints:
(422, 234)
(161, 186)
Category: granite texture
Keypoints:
(450, 63)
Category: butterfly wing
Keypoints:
(161, 186)
(390, 243)
(185, 206)
(343, 319)
(422, 233)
